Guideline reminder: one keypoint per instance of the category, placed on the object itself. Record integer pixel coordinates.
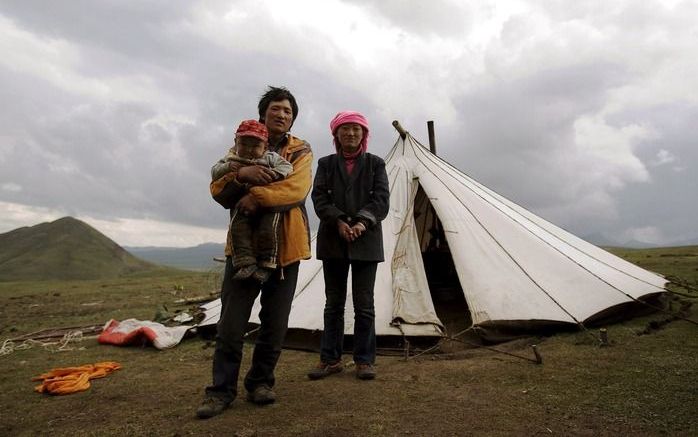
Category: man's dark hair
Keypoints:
(275, 94)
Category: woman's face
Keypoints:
(349, 136)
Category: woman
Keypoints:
(351, 196)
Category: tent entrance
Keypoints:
(445, 289)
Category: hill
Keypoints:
(64, 249)
(194, 258)
(602, 240)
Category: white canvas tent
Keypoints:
(514, 269)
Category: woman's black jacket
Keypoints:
(362, 196)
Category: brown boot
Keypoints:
(365, 371)
(325, 369)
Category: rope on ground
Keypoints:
(677, 293)
(70, 337)
(463, 332)
(675, 315)
(406, 349)
(425, 351)
(9, 346)
(681, 283)
(456, 339)
(436, 346)
(597, 339)
(534, 360)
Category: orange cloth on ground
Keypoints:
(67, 380)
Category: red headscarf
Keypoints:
(345, 117)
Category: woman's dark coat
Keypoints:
(363, 196)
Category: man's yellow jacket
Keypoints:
(287, 195)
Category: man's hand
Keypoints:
(255, 175)
(247, 205)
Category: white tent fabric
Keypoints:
(513, 266)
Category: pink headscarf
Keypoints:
(345, 117)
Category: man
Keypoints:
(250, 189)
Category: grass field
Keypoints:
(644, 383)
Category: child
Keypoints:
(255, 239)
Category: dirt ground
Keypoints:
(641, 385)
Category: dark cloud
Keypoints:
(667, 201)
(136, 100)
(102, 160)
(113, 159)
(518, 138)
(138, 29)
(510, 130)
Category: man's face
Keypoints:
(278, 117)
(250, 147)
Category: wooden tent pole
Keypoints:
(401, 131)
(432, 138)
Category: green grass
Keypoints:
(680, 262)
(644, 383)
(30, 306)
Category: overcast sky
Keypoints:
(584, 112)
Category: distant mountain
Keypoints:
(687, 242)
(64, 249)
(197, 258)
(600, 240)
(635, 244)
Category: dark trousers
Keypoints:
(237, 298)
(256, 239)
(363, 278)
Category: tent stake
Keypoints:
(603, 337)
(399, 128)
(539, 359)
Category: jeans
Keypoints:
(363, 279)
(237, 298)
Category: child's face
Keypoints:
(250, 147)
